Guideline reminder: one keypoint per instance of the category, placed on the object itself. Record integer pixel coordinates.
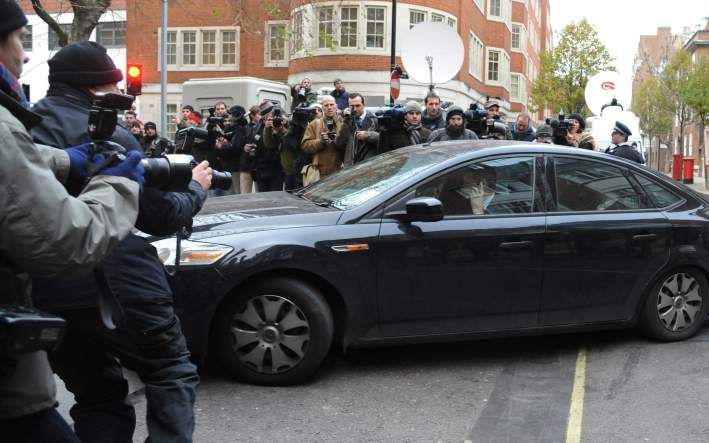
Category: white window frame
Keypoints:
(515, 78)
(490, 15)
(333, 26)
(437, 18)
(522, 37)
(476, 53)
(356, 21)
(199, 66)
(297, 30)
(366, 29)
(505, 12)
(503, 73)
(267, 60)
(417, 11)
(479, 4)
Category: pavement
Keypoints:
(697, 186)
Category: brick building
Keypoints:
(41, 43)
(698, 47)
(288, 40)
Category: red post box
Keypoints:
(688, 170)
(677, 167)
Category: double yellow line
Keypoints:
(573, 429)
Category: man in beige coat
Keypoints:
(319, 139)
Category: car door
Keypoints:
(477, 269)
(604, 242)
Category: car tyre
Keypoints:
(676, 305)
(276, 332)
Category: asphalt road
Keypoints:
(515, 390)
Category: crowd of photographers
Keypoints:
(267, 150)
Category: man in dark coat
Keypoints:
(620, 146)
(302, 94)
(342, 97)
(410, 133)
(455, 127)
(522, 130)
(432, 117)
(149, 340)
(357, 135)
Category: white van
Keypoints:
(202, 93)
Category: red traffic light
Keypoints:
(134, 80)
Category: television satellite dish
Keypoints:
(432, 53)
(602, 88)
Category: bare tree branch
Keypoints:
(53, 25)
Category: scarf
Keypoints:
(10, 85)
(414, 132)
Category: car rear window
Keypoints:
(659, 195)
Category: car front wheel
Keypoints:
(676, 305)
(277, 332)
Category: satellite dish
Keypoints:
(432, 53)
(602, 88)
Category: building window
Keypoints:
(416, 17)
(171, 48)
(111, 34)
(325, 27)
(451, 22)
(297, 31)
(189, 47)
(438, 18)
(54, 38)
(348, 27)
(476, 56)
(171, 115)
(516, 36)
(27, 39)
(495, 8)
(229, 48)
(493, 65)
(515, 87)
(375, 27)
(276, 43)
(209, 47)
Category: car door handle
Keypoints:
(644, 237)
(516, 245)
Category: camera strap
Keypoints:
(110, 309)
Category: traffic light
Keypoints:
(134, 80)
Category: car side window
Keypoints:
(586, 185)
(491, 187)
(660, 196)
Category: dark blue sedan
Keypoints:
(441, 242)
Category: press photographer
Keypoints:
(319, 139)
(290, 146)
(484, 123)
(268, 170)
(357, 136)
(401, 127)
(560, 131)
(34, 241)
(149, 340)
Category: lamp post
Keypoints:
(393, 44)
(163, 71)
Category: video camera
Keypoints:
(560, 129)
(24, 329)
(169, 172)
(391, 119)
(476, 120)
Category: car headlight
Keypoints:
(192, 253)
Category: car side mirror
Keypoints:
(419, 209)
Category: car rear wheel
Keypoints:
(277, 332)
(676, 306)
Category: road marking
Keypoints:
(573, 430)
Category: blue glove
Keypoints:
(78, 161)
(129, 168)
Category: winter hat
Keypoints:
(83, 64)
(150, 125)
(578, 118)
(492, 102)
(237, 111)
(12, 16)
(544, 131)
(454, 110)
(412, 106)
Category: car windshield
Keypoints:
(356, 185)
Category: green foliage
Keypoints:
(565, 70)
(696, 91)
(674, 80)
(652, 105)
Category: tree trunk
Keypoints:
(86, 16)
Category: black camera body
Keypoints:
(391, 119)
(485, 128)
(560, 129)
(330, 126)
(24, 329)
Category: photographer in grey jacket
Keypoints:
(46, 232)
(357, 135)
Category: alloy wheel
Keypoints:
(679, 301)
(270, 334)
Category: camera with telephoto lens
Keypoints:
(560, 129)
(24, 329)
(168, 172)
(330, 125)
(476, 120)
(275, 108)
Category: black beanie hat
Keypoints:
(150, 125)
(83, 64)
(12, 16)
